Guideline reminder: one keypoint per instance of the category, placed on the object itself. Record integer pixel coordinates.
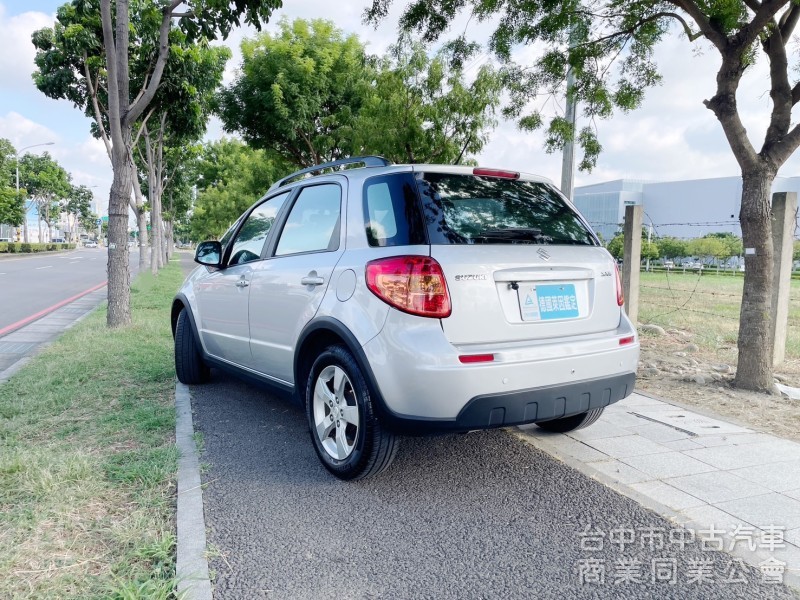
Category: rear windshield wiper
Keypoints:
(528, 234)
(532, 234)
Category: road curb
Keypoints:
(191, 567)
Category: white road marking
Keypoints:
(47, 267)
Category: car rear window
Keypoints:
(471, 209)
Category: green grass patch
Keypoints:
(88, 461)
(707, 306)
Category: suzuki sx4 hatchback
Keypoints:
(396, 300)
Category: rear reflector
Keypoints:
(626, 340)
(620, 294)
(476, 358)
(495, 173)
(413, 284)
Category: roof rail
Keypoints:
(368, 161)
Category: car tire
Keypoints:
(347, 435)
(189, 365)
(572, 423)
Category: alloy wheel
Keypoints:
(336, 414)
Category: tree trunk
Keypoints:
(119, 279)
(170, 239)
(155, 242)
(25, 207)
(754, 371)
(155, 228)
(141, 219)
(141, 225)
(164, 241)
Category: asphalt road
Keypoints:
(29, 284)
(481, 515)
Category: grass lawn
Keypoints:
(708, 306)
(88, 461)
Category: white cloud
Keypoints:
(21, 130)
(86, 160)
(88, 163)
(16, 60)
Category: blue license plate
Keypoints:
(548, 302)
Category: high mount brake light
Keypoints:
(413, 284)
(495, 173)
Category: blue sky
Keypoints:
(672, 137)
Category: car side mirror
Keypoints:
(208, 253)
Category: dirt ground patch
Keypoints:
(674, 368)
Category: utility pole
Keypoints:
(568, 159)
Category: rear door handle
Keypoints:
(312, 280)
(242, 283)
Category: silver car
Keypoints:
(398, 300)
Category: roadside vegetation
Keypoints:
(88, 461)
(23, 248)
(708, 307)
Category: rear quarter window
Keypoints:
(392, 214)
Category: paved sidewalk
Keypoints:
(735, 487)
(17, 348)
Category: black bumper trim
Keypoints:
(524, 406)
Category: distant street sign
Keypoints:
(99, 221)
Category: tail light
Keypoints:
(413, 284)
(620, 295)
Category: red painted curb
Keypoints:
(47, 311)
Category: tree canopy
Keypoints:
(421, 109)
(311, 94)
(298, 92)
(230, 177)
(46, 182)
(12, 210)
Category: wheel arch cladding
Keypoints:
(180, 303)
(177, 307)
(317, 336)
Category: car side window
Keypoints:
(391, 211)
(249, 241)
(314, 221)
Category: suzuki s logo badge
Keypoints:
(543, 254)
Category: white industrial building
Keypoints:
(682, 209)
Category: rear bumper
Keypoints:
(523, 406)
(417, 374)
